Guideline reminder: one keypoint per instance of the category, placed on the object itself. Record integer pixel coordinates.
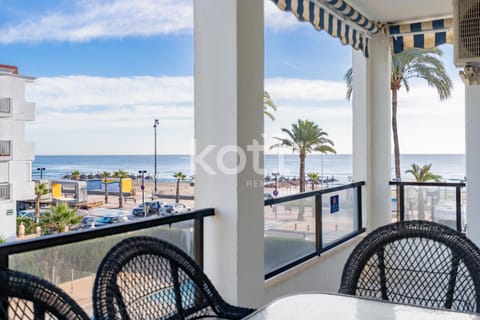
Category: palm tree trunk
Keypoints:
(37, 209)
(302, 172)
(396, 146)
(177, 193)
(120, 198)
(106, 190)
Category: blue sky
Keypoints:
(106, 69)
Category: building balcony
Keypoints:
(16, 150)
(307, 238)
(18, 110)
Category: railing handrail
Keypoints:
(82, 235)
(314, 193)
(428, 184)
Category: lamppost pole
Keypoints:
(142, 172)
(41, 172)
(155, 123)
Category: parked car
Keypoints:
(88, 222)
(29, 213)
(110, 219)
(154, 207)
(174, 208)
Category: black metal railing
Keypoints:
(442, 202)
(301, 226)
(5, 105)
(70, 260)
(4, 148)
(55, 240)
(4, 191)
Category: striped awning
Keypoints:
(349, 12)
(421, 35)
(322, 19)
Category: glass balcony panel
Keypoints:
(289, 232)
(437, 204)
(339, 215)
(72, 267)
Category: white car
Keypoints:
(174, 208)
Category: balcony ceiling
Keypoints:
(403, 10)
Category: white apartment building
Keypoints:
(16, 154)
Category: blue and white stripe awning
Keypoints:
(322, 19)
(421, 35)
(349, 12)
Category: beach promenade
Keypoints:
(165, 190)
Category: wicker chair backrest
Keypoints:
(148, 278)
(23, 296)
(416, 262)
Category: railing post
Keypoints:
(359, 207)
(318, 223)
(458, 204)
(198, 241)
(401, 204)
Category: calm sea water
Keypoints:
(338, 166)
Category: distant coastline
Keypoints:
(449, 166)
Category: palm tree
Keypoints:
(305, 137)
(313, 178)
(105, 175)
(412, 63)
(41, 189)
(122, 175)
(268, 103)
(75, 174)
(59, 218)
(180, 177)
(422, 174)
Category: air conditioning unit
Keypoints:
(466, 28)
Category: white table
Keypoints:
(322, 306)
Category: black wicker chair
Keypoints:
(148, 278)
(23, 296)
(416, 262)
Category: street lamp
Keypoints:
(41, 172)
(276, 174)
(155, 123)
(142, 172)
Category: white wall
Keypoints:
(8, 222)
(319, 274)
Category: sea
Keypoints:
(339, 166)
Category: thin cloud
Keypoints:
(92, 19)
(85, 20)
(80, 91)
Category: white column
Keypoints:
(229, 115)
(472, 155)
(371, 129)
(360, 130)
